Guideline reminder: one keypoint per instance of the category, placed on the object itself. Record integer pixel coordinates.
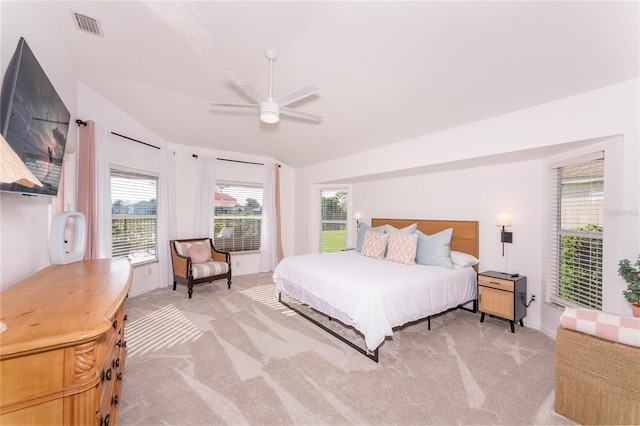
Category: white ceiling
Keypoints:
(387, 71)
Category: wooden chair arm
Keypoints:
(219, 256)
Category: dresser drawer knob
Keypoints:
(107, 375)
(115, 324)
(119, 376)
(114, 400)
(115, 363)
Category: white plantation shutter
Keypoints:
(575, 227)
(134, 215)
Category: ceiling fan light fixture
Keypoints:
(269, 112)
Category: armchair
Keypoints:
(196, 261)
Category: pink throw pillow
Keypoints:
(375, 244)
(199, 253)
(402, 248)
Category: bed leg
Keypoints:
(428, 323)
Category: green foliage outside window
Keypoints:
(581, 268)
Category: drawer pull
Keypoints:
(115, 363)
(114, 400)
(108, 375)
(493, 282)
(119, 376)
(119, 343)
(125, 317)
(115, 324)
(104, 421)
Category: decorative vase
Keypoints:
(635, 309)
(57, 252)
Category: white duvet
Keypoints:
(373, 295)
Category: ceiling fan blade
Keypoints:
(295, 113)
(227, 104)
(296, 96)
(244, 85)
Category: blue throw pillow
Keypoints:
(363, 230)
(435, 249)
(410, 229)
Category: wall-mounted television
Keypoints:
(34, 121)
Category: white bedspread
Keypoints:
(373, 295)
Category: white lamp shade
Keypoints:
(269, 112)
(504, 219)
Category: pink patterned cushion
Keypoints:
(199, 253)
(374, 244)
(612, 327)
(402, 248)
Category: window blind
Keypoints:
(134, 215)
(575, 229)
(333, 233)
(237, 217)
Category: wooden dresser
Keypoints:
(62, 355)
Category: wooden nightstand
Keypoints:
(502, 295)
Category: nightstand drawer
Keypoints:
(498, 283)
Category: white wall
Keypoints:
(25, 221)
(140, 157)
(477, 170)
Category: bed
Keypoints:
(375, 295)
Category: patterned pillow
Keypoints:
(402, 248)
(375, 243)
(362, 231)
(617, 328)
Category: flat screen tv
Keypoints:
(34, 121)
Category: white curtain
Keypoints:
(269, 228)
(205, 197)
(167, 228)
(103, 193)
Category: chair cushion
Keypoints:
(209, 269)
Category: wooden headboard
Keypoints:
(465, 237)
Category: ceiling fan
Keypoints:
(270, 108)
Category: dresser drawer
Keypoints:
(497, 283)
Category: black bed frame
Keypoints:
(373, 355)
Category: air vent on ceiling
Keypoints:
(87, 24)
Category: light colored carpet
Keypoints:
(238, 357)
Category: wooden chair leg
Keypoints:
(229, 282)
(174, 285)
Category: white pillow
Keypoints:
(463, 259)
(402, 248)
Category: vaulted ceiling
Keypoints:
(387, 71)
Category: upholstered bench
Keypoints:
(598, 368)
(196, 261)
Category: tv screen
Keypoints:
(34, 121)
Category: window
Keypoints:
(575, 232)
(133, 215)
(237, 217)
(333, 214)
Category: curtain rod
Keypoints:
(235, 161)
(84, 123)
(135, 140)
